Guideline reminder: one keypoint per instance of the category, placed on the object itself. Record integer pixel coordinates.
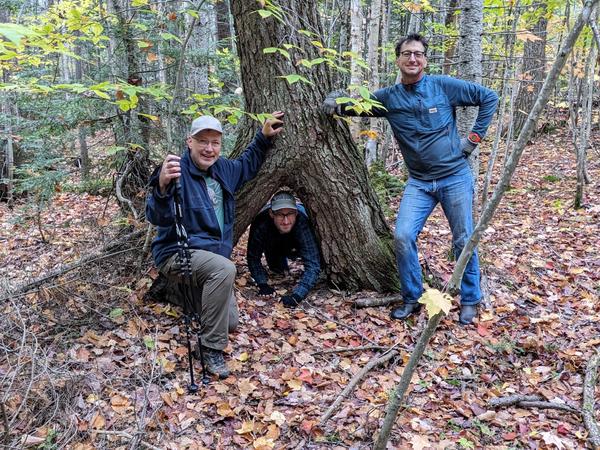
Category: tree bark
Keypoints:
(315, 155)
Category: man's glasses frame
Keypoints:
(407, 54)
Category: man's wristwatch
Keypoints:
(474, 138)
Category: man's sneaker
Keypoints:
(214, 362)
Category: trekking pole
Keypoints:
(186, 288)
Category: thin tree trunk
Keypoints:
(508, 74)
(585, 127)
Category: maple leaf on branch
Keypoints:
(436, 301)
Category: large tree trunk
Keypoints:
(315, 154)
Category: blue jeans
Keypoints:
(455, 194)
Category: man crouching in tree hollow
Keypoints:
(208, 184)
(281, 231)
(421, 113)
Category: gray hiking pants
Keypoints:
(213, 278)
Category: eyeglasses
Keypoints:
(418, 55)
(205, 143)
(285, 215)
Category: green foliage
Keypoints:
(465, 443)
(386, 186)
(552, 178)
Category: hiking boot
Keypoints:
(405, 311)
(214, 361)
(467, 314)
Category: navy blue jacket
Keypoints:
(199, 217)
(423, 119)
(299, 242)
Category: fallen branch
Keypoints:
(350, 349)
(374, 362)
(128, 436)
(529, 401)
(503, 402)
(101, 254)
(368, 302)
(589, 389)
(550, 405)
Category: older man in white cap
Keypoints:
(208, 185)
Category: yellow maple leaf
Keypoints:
(435, 301)
(243, 357)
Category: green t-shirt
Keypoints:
(215, 192)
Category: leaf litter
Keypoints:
(116, 366)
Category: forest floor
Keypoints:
(86, 363)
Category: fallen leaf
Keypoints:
(247, 427)
(277, 417)
(98, 422)
(552, 439)
(419, 442)
(263, 443)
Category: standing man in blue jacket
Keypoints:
(421, 112)
(208, 185)
(281, 231)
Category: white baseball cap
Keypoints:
(205, 123)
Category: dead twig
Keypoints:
(530, 401)
(374, 362)
(350, 349)
(589, 389)
(503, 402)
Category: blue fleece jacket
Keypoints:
(423, 119)
(199, 216)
